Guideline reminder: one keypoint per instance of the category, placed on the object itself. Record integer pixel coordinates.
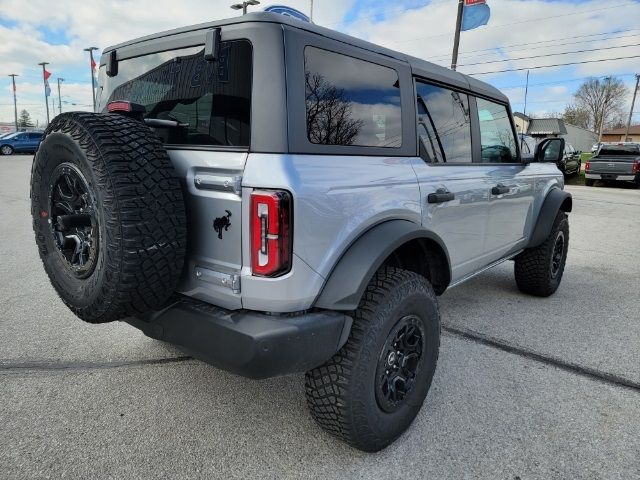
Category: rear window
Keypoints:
(211, 99)
(350, 101)
(619, 150)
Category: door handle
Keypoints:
(500, 189)
(440, 196)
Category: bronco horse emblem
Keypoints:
(222, 223)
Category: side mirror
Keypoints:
(212, 44)
(549, 150)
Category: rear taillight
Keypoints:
(587, 166)
(635, 168)
(270, 232)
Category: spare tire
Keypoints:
(108, 215)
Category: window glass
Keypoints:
(350, 101)
(211, 100)
(444, 124)
(496, 135)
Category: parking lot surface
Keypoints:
(525, 387)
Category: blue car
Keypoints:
(20, 142)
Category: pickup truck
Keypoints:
(614, 161)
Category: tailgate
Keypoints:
(618, 166)
(212, 190)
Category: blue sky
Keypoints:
(33, 31)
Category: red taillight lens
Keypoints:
(119, 106)
(587, 166)
(270, 233)
(635, 168)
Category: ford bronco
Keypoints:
(276, 197)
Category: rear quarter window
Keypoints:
(351, 101)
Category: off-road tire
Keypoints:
(141, 233)
(589, 182)
(341, 394)
(534, 270)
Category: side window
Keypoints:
(210, 100)
(351, 101)
(444, 124)
(496, 135)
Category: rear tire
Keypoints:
(539, 270)
(360, 395)
(108, 215)
(589, 182)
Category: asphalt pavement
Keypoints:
(525, 388)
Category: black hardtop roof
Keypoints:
(420, 67)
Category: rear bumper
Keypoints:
(610, 176)
(248, 343)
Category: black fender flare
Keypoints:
(555, 201)
(348, 280)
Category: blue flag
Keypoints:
(475, 14)
(47, 89)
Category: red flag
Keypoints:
(474, 2)
(47, 75)
(93, 64)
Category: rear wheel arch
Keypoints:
(395, 243)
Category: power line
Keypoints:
(550, 55)
(555, 65)
(509, 24)
(565, 80)
(492, 51)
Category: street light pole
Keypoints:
(44, 81)
(15, 102)
(59, 97)
(93, 79)
(243, 6)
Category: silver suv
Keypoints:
(277, 197)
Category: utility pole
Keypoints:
(93, 78)
(44, 81)
(311, 12)
(633, 104)
(243, 6)
(456, 38)
(15, 102)
(59, 96)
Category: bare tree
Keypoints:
(329, 113)
(577, 116)
(602, 99)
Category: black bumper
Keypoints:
(248, 343)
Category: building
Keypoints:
(540, 128)
(6, 127)
(618, 134)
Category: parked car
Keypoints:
(275, 197)
(20, 142)
(570, 163)
(614, 161)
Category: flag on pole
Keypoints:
(47, 88)
(93, 64)
(476, 13)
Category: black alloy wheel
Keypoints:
(558, 254)
(73, 218)
(399, 363)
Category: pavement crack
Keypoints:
(588, 372)
(10, 366)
